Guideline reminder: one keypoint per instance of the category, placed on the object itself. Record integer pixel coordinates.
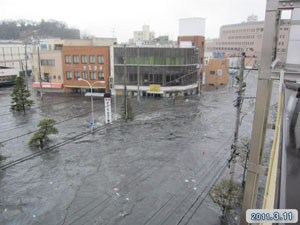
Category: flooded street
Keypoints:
(156, 169)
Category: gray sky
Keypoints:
(99, 17)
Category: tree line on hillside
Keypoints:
(27, 29)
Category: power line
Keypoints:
(101, 203)
(74, 138)
(30, 132)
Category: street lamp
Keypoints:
(92, 104)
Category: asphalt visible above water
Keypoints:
(154, 170)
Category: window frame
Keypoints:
(100, 77)
(68, 61)
(100, 59)
(77, 59)
(92, 61)
(67, 77)
(94, 73)
(83, 75)
(76, 77)
(82, 61)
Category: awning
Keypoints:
(85, 87)
(155, 92)
(47, 85)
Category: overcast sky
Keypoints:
(100, 18)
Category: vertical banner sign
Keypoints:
(107, 103)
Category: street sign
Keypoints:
(107, 103)
(91, 124)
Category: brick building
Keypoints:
(62, 62)
(91, 63)
(215, 74)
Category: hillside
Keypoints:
(26, 29)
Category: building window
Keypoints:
(212, 72)
(83, 59)
(101, 76)
(48, 62)
(92, 59)
(100, 59)
(68, 59)
(283, 50)
(75, 59)
(76, 75)
(54, 77)
(69, 75)
(93, 75)
(59, 77)
(84, 75)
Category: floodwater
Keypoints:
(156, 169)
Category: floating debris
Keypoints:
(117, 194)
(193, 180)
(116, 189)
(186, 181)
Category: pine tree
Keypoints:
(40, 138)
(227, 195)
(130, 113)
(19, 96)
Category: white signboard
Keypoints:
(203, 78)
(8, 72)
(186, 44)
(219, 72)
(107, 103)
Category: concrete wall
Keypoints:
(192, 27)
(13, 55)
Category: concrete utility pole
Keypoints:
(239, 102)
(125, 84)
(138, 75)
(40, 75)
(26, 75)
(263, 96)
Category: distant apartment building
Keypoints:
(63, 62)
(155, 70)
(143, 37)
(12, 54)
(246, 37)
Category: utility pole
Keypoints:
(262, 105)
(125, 84)
(26, 75)
(40, 75)
(245, 166)
(138, 75)
(239, 102)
